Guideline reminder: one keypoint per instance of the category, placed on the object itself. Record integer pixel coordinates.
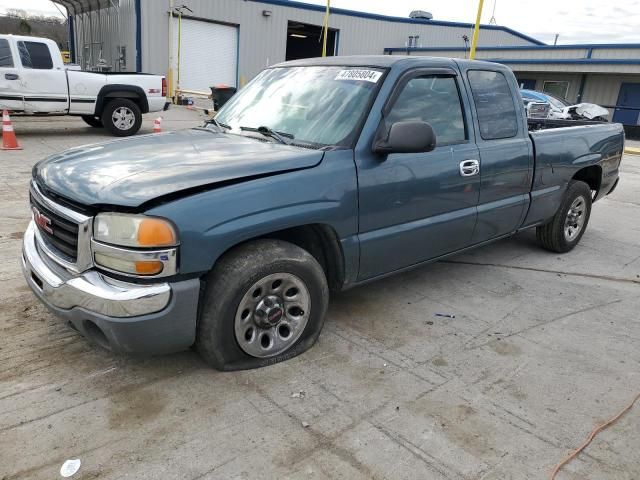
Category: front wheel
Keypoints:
(263, 303)
(122, 117)
(566, 228)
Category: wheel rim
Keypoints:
(123, 118)
(272, 315)
(574, 222)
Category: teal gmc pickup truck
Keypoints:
(319, 175)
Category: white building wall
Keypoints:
(620, 53)
(601, 89)
(573, 79)
(262, 40)
(604, 89)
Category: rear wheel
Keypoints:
(566, 228)
(122, 117)
(264, 302)
(92, 121)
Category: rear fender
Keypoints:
(131, 92)
(564, 154)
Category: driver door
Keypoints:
(44, 82)
(418, 206)
(10, 87)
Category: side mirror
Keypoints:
(406, 137)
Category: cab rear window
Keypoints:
(497, 114)
(5, 54)
(35, 55)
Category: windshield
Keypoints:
(556, 102)
(316, 105)
(559, 103)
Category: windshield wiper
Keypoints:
(221, 126)
(267, 132)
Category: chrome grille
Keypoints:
(64, 234)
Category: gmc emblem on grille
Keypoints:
(43, 222)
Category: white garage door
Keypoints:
(209, 54)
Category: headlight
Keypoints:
(134, 230)
(134, 244)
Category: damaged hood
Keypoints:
(135, 170)
(590, 110)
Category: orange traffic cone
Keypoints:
(9, 140)
(157, 125)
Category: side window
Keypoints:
(6, 59)
(435, 100)
(497, 114)
(557, 88)
(35, 55)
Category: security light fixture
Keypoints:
(266, 13)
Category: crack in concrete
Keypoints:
(541, 324)
(420, 454)
(220, 465)
(544, 270)
(124, 388)
(321, 440)
(632, 261)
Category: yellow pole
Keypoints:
(326, 29)
(170, 71)
(476, 30)
(179, 43)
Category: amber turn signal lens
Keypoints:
(153, 232)
(148, 267)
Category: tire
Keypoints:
(128, 117)
(92, 121)
(566, 228)
(243, 304)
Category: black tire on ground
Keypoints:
(128, 109)
(233, 278)
(92, 121)
(552, 235)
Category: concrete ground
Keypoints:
(542, 348)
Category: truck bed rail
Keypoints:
(535, 124)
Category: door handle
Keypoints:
(11, 76)
(469, 168)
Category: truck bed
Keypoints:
(565, 147)
(536, 124)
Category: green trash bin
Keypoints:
(221, 95)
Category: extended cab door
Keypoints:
(417, 206)
(43, 78)
(506, 154)
(10, 91)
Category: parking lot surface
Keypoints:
(541, 348)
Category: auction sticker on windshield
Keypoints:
(367, 75)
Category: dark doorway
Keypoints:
(627, 109)
(305, 41)
(527, 83)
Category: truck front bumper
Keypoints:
(123, 317)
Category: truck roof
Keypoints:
(389, 61)
(24, 38)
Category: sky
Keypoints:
(577, 21)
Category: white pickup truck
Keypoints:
(34, 80)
